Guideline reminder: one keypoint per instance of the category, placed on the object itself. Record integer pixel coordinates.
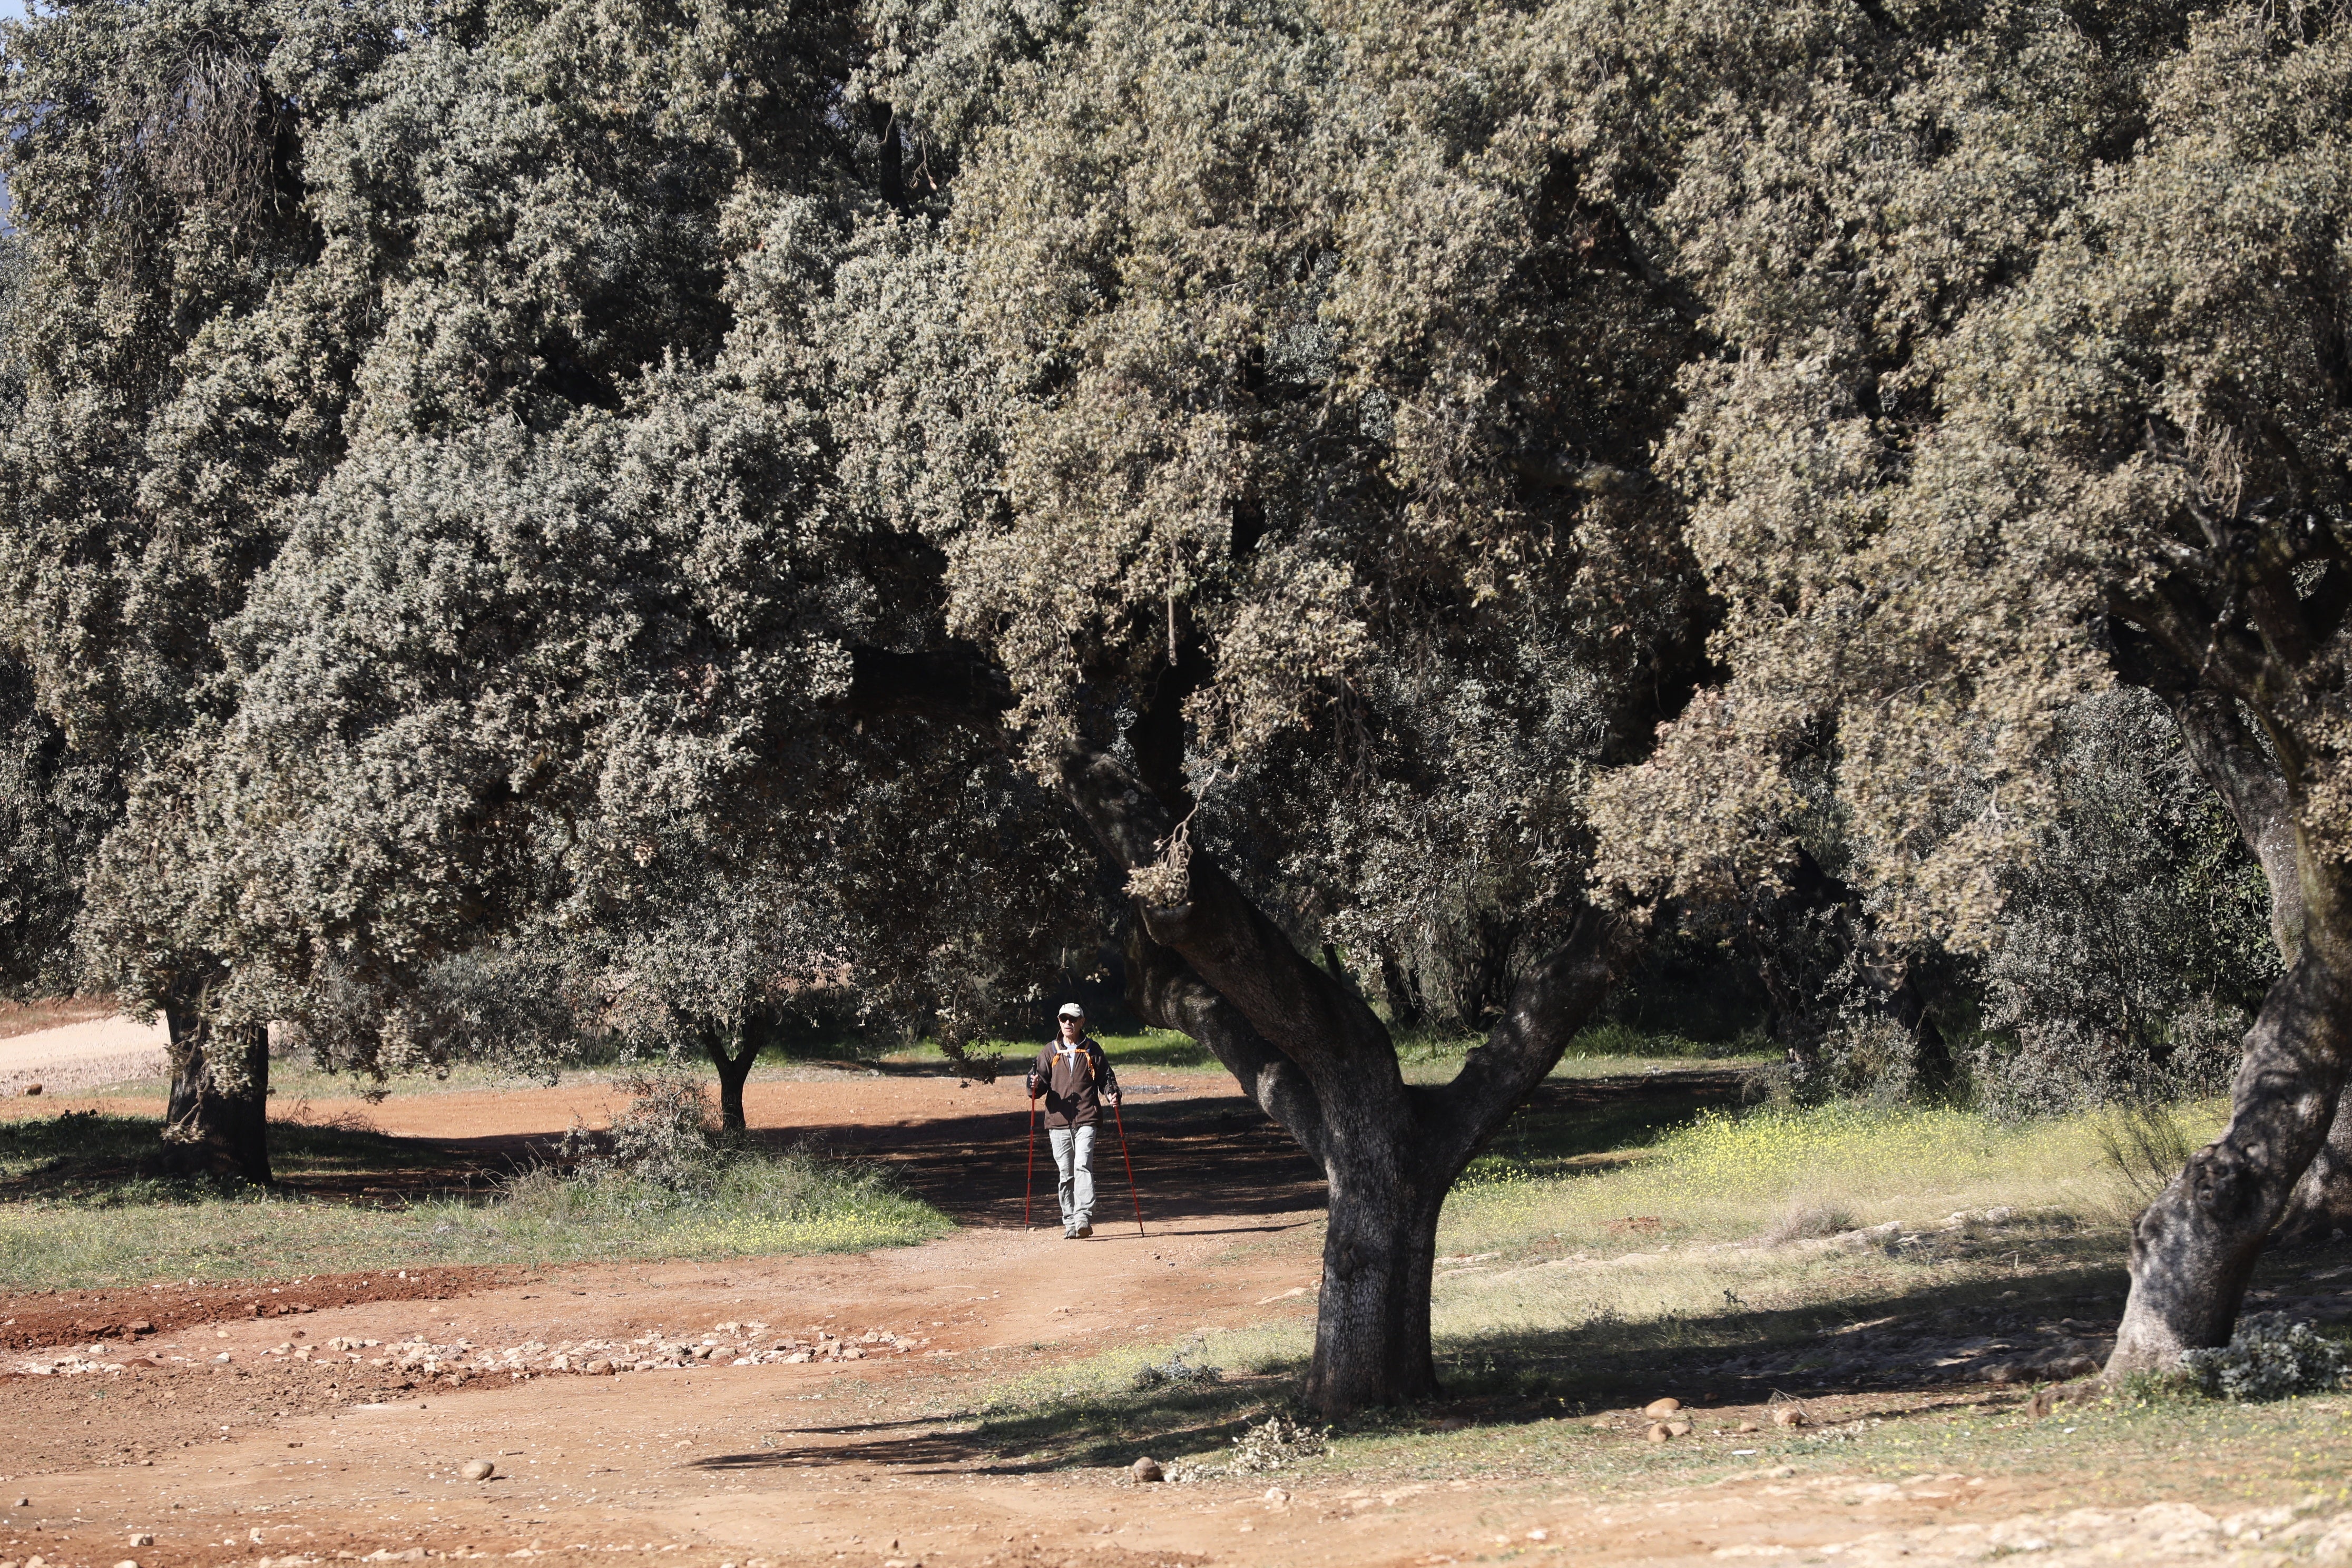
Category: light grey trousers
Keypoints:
(1074, 1157)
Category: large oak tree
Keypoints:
(1249, 445)
(259, 241)
(2035, 382)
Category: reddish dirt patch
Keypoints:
(68, 1317)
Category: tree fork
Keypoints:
(734, 1070)
(1306, 1049)
(1309, 1050)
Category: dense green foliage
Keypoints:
(512, 416)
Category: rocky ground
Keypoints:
(794, 1412)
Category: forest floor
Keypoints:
(1931, 1363)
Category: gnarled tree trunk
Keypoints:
(2249, 783)
(1205, 961)
(217, 1118)
(1380, 1255)
(2194, 1247)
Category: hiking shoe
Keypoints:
(1083, 1232)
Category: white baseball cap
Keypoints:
(1072, 1010)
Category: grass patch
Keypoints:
(758, 1203)
(1710, 1244)
(1159, 1049)
(84, 1202)
(1606, 1050)
(1727, 1175)
(94, 1161)
(1578, 1126)
(1568, 1290)
(1600, 1051)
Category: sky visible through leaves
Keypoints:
(10, 11)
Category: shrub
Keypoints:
(1867, 1058)
(1175, 1369)
(2270, 1357)
(668, 1139)
(2146, 1146)
(1808, 1222)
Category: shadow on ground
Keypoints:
(84, 1157)
(1199, 1152)
(1202, 1155)
(1503, 1380)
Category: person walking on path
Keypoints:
(1076, 1078)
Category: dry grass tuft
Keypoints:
(1810, 1222)
(2144, 1145)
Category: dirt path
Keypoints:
(263, 1456)
(81, 1056)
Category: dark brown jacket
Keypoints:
(1072, 1084)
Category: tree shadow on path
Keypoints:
(1201, 1152)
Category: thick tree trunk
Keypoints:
(2247, 779)
(1307, 1048)
(734, 1067)
(1304, 1046)
(1380, 1255)
(217, 1119)
(1387, 1172)
(2194, 1247)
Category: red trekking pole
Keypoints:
(1123, 1154)
(1029, 1183)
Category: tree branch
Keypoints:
(1301, 1011)
(2234, 764)
(1546, 1009)
(2203, 644)
(1165, 992)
